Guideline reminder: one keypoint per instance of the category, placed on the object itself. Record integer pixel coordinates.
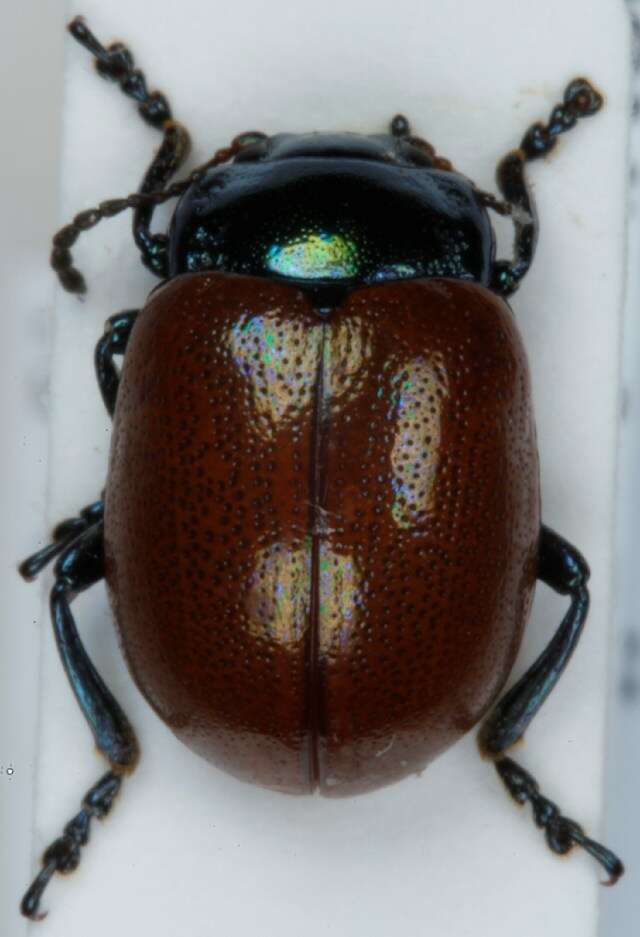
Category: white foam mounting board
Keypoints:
(187, 849)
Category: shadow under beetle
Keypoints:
(321, 529)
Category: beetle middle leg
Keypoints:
(563, 568)
(80, 541)
(113, 342)
(81, 566)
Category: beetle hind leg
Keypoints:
(563, 568)
(63, 855)
(562, 834)
(80, 566)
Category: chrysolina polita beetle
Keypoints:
(321, 530)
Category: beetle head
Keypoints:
(402, 150)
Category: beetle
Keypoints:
(321, 527)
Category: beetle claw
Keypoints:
(562, 834)
(63, 855)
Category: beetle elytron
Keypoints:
(321, 528)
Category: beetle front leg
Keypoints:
(113, 342)
(81, 566)
(563, 568)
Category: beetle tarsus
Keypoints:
(562, 834)
(80, 566)
(63, 855)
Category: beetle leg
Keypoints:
(113, 342)
(562, 834)
(580, 100)
(63, 536)
(563, 568)
(81, 566)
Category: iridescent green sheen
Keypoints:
(329, 221)
(315, 255)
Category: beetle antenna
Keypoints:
(400, 128)
(580, 100)
(439, 162)
(61, 259)
(116, 63)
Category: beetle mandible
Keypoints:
(321, 529)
